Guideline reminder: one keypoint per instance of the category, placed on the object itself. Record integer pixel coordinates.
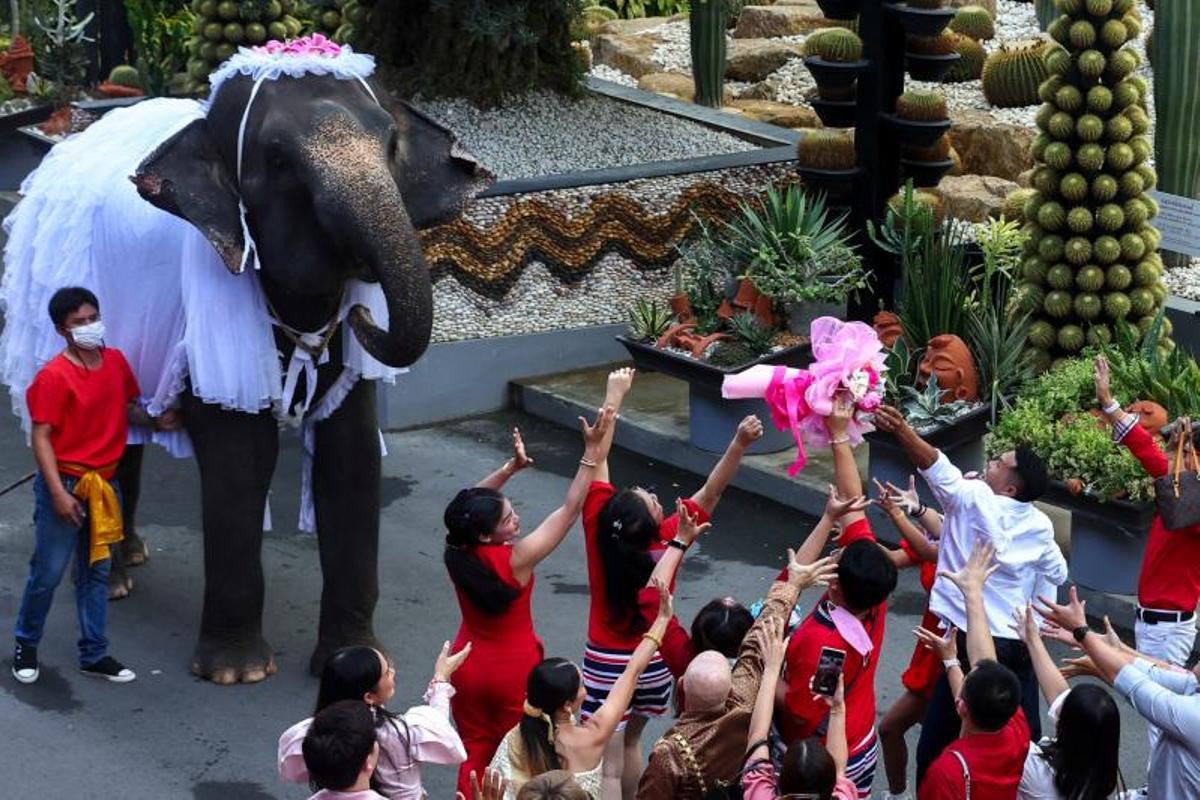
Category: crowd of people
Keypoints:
(766, 702)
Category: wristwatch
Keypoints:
(678, 545)
(1080, 632)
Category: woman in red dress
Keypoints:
(492, 573)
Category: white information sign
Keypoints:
(1179, 222)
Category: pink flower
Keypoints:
(313, 45)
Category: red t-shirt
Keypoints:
(601, 630)
(1170, 577)
(85, 409)
(928, 568)
(995, 762)
(805, 715)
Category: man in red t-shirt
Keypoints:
(80, 404)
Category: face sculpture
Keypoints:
(948, 358)
(887, 327)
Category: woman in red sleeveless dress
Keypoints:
(492, 572)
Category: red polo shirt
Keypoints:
(1170, 577)
(994, 760)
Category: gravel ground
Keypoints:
(1184, 281)
(545, 134)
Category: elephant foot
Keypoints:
(120, 585)
(225, 663)
(134, 550)
(326, 648)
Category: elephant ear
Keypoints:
(437, 177)
(186, 177)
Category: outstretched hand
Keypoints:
(447, 664)
(749, 431)
(688, 531)
(975, 572)
(890, 420)
(665, 602)
(620, 381)
(1103, 378)
(837, 506)
(774, 645)
(494, 786)
(1068, 616)
(593, 434)
(818, 573)
(1080, 667)
(839, 418)
(1025, 624)
(945, 647)
(520, 459)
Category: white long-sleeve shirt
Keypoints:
(1169, 700)
(1029, 558)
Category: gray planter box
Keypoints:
(1107, 540)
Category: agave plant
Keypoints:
(747, 328)
(924, 409)
(1139, 362)
(792, 250)
(648, 320)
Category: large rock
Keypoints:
(754, 59)
(632, 27)
(990, 5)
(973, 197)
(763, 90)
(785, 114)
(676, 85)
(630, 54)
(764, 22)
(988, 147)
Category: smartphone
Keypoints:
(829, 667)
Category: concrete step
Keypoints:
(654, 423)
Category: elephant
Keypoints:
(322, 183)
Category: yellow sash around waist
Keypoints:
(104, 510)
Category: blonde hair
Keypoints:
(557, 784)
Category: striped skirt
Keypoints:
(601, 669)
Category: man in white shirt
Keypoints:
(996, 507)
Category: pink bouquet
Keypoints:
(847, 357)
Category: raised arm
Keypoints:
(946, 648)
(620, 381)
(1050, 680)
(924, 549)
(774, 651)
(604, 722)
(919, 452)
(517, 462)
(836, 507)
(676, 649)
(910, 502)
(845, 468)
(1126, 427)
(970, 580)
(530, 550)
(749, 430)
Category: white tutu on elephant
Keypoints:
(169, 302)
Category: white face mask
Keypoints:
(90, 336)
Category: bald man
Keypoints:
(708, 741)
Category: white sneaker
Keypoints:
(25, 663)
(110, 669)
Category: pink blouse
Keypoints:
(431, 738)
(760, 784)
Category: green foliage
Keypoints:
(6, 91)
(792, 251)
(160, 32)
(1170, 379)
(748, 330)
(648, 320)
(636, 9)
(924, 409)
(705, 268)
(901, 370)
(732, 354)
(59, 47)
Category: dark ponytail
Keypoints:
(552, 684)
(627, 529)
(471, 515)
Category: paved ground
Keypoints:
(171, 736)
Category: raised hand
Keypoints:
(774, 645)
(889, 420)
(837, 507)
(665, 602)
(839, 418)
(520, 459)
(1080, 667)
(975, 572)
(1068, 616)
(1103, 379)
(749, 431)
(494, 786)
(837, 700)
(818, 573)
(1055, 633)
(447, 664)
(688, 531)
(887, 501)
(620, 381)
(945, 647)
(908, 498)
(594, 434)
(1025, 624)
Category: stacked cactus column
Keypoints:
(708, 22)
(1091, 259)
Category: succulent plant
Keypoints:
(941, 45)
(834, 44)
(969, 66)
(924, 407)
(922, 106)
(732, 354)
(825, 149)
(939, 151)
(928, 199)
(125, 75)
(974, 21)
(750, 331)
(1013, 73)
(648, 320)
(1014, 204)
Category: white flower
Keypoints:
(859, 383)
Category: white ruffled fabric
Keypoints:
(168, 301)
(271, 66)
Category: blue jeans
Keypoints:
(57, 542)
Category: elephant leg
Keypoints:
(131, 551)
(346, 472)
(236, 454)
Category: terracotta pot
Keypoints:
(887, 327)
(948, 357)
(682, 307)
(764, 309)
(16, 63)
(116, 90)
(726, 310)
(59, 122)
(1153, 416)
(747, 295)
(1074, 486)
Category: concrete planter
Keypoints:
(961, 441)
(711, 418)
(1107, 540)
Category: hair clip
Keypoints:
(617, 524)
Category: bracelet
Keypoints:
(678, 545)
(840, 440)
(651, 637)
(1112, 407)
(920, 512)
(951, 663)
(587, 462)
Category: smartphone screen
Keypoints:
(829, 667)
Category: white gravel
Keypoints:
(1184, 281)
(546, 134)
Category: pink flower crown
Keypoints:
(314, 44)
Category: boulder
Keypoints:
(629, 54)
(765, 22)
(632, 27)
(676, 84)
(973, 197)
(784, 114)
(754, 59)
(990, 5)
(988, 147)
(763, 90)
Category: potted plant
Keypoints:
(792, 251)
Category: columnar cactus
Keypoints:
(1176, 35)
(1090, 259)
(708, 19)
